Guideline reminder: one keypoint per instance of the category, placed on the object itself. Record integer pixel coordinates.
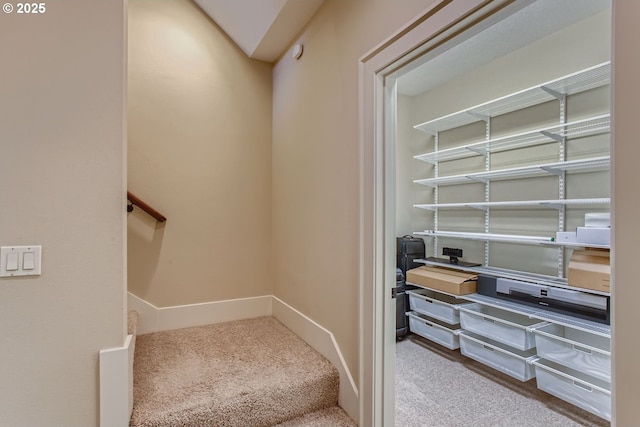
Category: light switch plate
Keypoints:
(33, 260)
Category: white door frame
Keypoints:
(439, 22)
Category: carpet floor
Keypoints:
(253, 372)
(334, 416)
(437, 387)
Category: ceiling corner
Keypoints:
(262, 29)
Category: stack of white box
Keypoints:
(596, 231)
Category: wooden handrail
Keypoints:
(145, 207)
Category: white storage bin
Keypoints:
(588, 393)
(434, 330)
(499, 325)
(436, 304)
(582, 351)
(510, 361)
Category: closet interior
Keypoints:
(503, 170)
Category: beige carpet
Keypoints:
(437, 387)
(252, 372)
(328, 417)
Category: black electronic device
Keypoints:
(454, 255)
(566, 301)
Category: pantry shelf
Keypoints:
(545, 204)
(580, 128)
(582, 165)
(540, 279)
(587, 79)
(507, 238)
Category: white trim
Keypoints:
(377, 249)
(116, 384)
(154, 319)
(324, 342)
(147, 314)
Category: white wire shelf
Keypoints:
(582, 165)
(587, 79)
(545, 204)
(579, 128)
(541, 279)
(507, 238)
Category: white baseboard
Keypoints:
(324, 343)
(116, 384)
(147, 314)
(154, 319)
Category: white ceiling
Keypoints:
(263, 29)
(531, 23)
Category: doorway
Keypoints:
(455, 30)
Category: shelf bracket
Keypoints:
(427, 183)
(481, 151)
(553, 171)
(428, 159)
(553, 205)
(555, 137)
(479, 207)
(478, 179)
(555, 94)
(478, 116)
(426, 207)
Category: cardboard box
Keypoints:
(590, 269)
(594, 235)
(443, 279)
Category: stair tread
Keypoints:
(333, 416)
(247, 372)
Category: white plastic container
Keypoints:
(588, 393)
(582, 351)
(599, 219)
(434, 330)
(436, 304)
(499, 325)
(510, 361)
(593, 235)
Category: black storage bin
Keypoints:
(408, 250)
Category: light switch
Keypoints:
(12, 261)
(16, 261)
(28, 261)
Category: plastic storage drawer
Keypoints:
(434, 330)
(510, 361)
(588, 393)
(499, 325)
(582, 351)
(435, 304)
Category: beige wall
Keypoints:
(62, 185)
(626, 233)
(405, 194)
(316, 163)
(200, 153)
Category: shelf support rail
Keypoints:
(436, 146)
(136, 201)
(561, 180)
(487, 189)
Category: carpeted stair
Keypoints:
(252, 372)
